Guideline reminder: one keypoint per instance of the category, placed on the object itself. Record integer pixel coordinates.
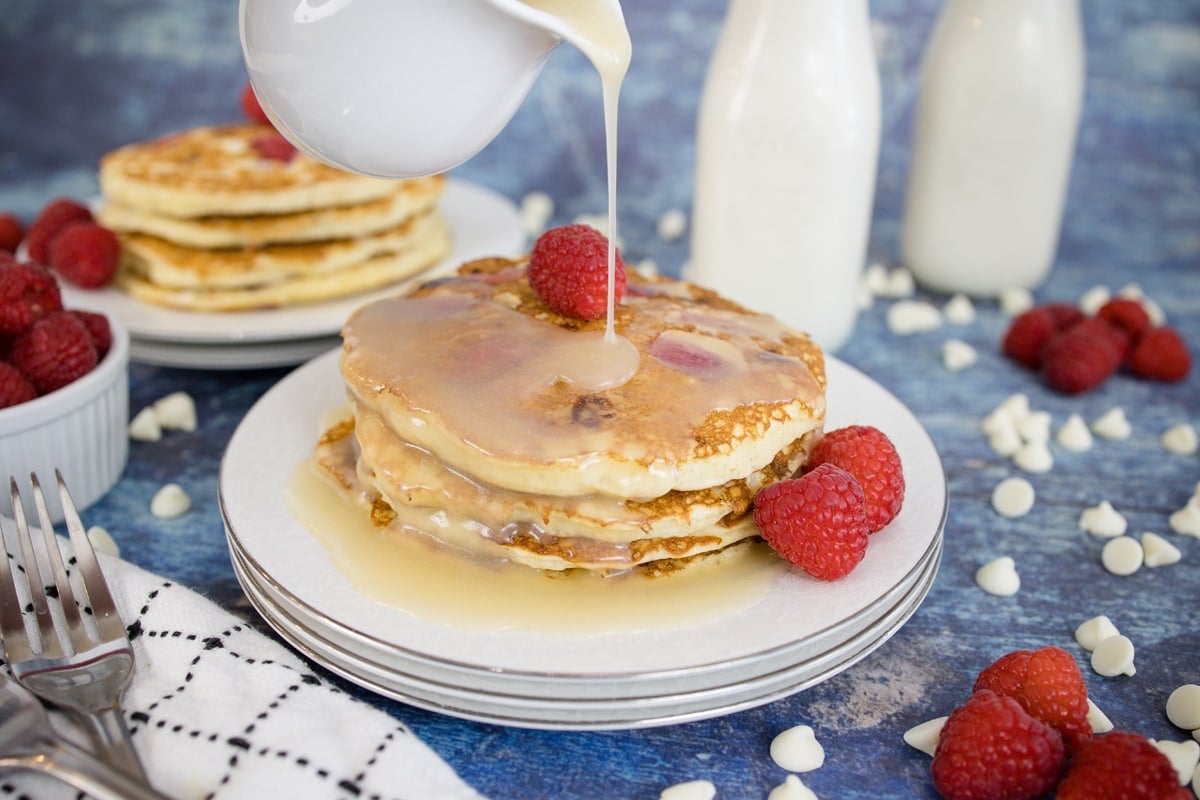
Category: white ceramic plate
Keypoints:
(254, 355)
(278, 433)
(586, 714)
(482, 223)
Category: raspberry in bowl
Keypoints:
(79, 427)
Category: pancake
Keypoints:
(291, 275)
(408, 199)
(720, 390)
(216, 170)
(465, 429)
(169, 265)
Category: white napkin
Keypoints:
(218, 710)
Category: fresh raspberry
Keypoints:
(568, 268)
(1161, 355)
(869, 455)
(1121, 766)
(52, 219)
(98, 328)
(251, 107)
(1064, 315)
(85, 254)
(55, 351)
(1027, 336)
(1083, 356)
(818, 521)
(28, 292)
(274, 147)
(15, 388)
(1048, 685)
(1127, 314)
(990, 749)
(11, 233)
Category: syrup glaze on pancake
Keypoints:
(719, 391)
(463, 428)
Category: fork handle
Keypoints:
(78, 768)
(108, 730)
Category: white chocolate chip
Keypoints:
(1034, 457)
(1196, 771)
(1035, 427)
(1187, 519)
(1015, 300)
(672, 224)
(1091, 300)
(1013, 497)
(1074, 435)
(959, 310)
(170, 501)
(792, 788)
(913, 316)
(1114, 656)
(690, 790)
(1103, 520)
(176, 411)
(1098, 721)
(1184, 757)
(102, 541)
(999, 577)
(1159, 552)
(1094, 631)
(536, 210)
(1122, 555)
(797, 749)
(875, 278)
(648, 267)
(144, 426)
(1183, 707)
(1016, 405)
(1181, 439)
(1113, 425)
(900, 283)
(957, 355)
(1005, 441)
(924, 737)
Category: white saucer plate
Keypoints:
(588, 713)
(797, 620)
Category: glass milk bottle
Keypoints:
(1001, 89)
(787, 147)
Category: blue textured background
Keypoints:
(80, 78)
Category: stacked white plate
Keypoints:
(801, 632)
(482, 223)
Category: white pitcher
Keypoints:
(401, 88)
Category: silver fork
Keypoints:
(66, 664)
(28, 742)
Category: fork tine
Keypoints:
(104, 608)
(12, 620)
(50, 645)
(77, 634)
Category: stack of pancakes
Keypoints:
(467, 432)
(209, 221)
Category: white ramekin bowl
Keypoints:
(80, 429)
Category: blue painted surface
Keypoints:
(81, 78)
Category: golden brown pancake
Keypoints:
(217, 171)
(467, 430)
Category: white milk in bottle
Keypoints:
(787, 148)
(1001, 89)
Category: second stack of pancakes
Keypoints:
(227, 218)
